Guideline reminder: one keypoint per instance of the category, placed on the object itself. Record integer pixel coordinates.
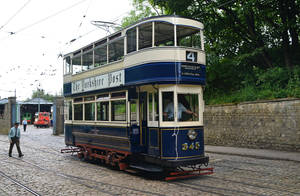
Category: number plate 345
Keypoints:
(191, 146)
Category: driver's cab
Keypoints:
(161, 107)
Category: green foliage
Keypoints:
(273, 83)
(252, 46)
(40, 93)
(142, 10)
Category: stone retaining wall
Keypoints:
(264, 124)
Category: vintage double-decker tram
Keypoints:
(135, 98)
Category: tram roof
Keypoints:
(174, 19)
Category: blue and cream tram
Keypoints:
(135, 98)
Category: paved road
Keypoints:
(45, 171)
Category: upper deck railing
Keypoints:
(166, 33)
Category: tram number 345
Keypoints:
(192, 146)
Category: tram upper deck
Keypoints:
(162, 49)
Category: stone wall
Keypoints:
(265, 124)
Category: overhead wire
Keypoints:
(15, 14)
(46, 18)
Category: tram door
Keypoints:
(143, 118)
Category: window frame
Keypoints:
(187, 89)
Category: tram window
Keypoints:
(164, 34)
(133, 110)
(78, 109)
(118, 110)
(188, 107)
(91, 98)
(168, 106)
(145, 35)
(156, 106)
(116, 50)
(150, 107)
(67, 65)
(76, 100)
(89, 111)
(70, 110)
(87, 61)
(118, 95)
(100, 54)
(188, 36)
(102, 97)
(131, 40)
(102, 111)
(76, 63)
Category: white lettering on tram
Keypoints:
(99, 82)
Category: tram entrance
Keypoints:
(143, 118)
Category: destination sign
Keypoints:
(191, 70)
(109, 80)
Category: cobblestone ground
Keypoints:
(46, 171)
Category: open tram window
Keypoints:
(150, 109)
(78, 111)
(100, 54)
(68, 110)
(164, 34)
(153, 106)
(67, 62)
(188, 36)
(131, 40)
(118, 110)
(76, 64)
(145, 35)
(188, 107)
(102, 111)
(116, 50)
(168, 106)
(89, 111)
(133, 111)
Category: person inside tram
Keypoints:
(183, 113)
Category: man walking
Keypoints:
(14, 138)
(24, 124)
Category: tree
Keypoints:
(40, 93)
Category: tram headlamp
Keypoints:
(192, 134)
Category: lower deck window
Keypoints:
(188, 107)
(78, 110)
(118, 110)
(102, 111)
(168, 106)
(89, 111)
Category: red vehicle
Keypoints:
(42, 119)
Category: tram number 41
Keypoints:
(192, 146)
(191, 56)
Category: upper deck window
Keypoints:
(164, 34)
(131, 40)
(116, 50)
(87, 60)
(100, 54)
(76, 64)
(67, 62)
(145, 35)
(188, 36)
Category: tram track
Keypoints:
(19, 184)
(89, 183)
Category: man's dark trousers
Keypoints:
(15, 140)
